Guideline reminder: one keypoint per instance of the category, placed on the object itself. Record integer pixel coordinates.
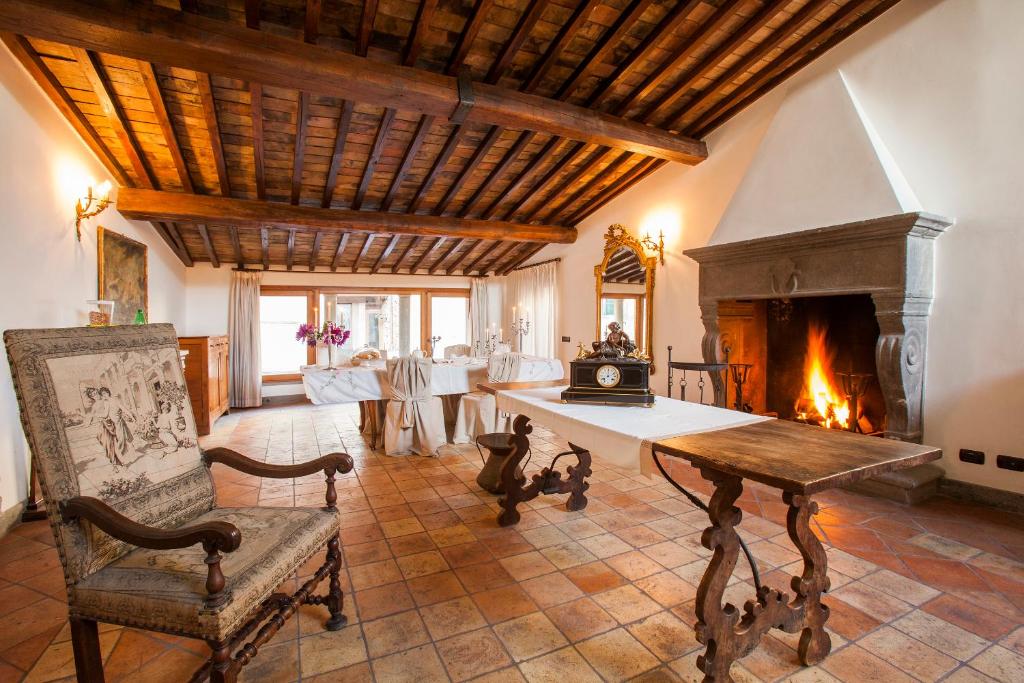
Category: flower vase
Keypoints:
(336, 357)
(323, 357)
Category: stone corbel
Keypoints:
(711, 347)
(900, 361)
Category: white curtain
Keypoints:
(532, 291)
(478, 311)
(246, 383)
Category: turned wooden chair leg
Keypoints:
(222, 667)
(335, 597)
(85, 641)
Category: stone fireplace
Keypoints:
(881, 270)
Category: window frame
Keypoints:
(311, 314)
(637, 337)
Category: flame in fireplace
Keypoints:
(831, 405)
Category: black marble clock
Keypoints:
(609, 381)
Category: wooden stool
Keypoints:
(499, 446)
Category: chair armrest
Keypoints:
(220, 535)
(330, 464)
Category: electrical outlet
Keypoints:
(973, 457)
(1008, 462)
(566, 339)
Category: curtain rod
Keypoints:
(305, 271)
(557, 259)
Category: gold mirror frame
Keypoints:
(614, 239)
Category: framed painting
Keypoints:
(123, 272)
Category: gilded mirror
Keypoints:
(625, 289)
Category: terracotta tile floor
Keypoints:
(436, 591)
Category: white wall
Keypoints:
(47, 275)
(937, 85)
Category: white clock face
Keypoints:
(608, 376)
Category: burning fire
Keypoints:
(831, 406)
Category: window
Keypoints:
(389, 322)
(449, 320)
(280, 316)
(626, 309)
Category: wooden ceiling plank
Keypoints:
(291, 248)
(500, 254)
(159, 35)
(339, 252)
(384, 254)
(595, 180)
(473, 25)
(726, 48)
(315, 251)
(236, 245)
(518, 262)
(526, 23)
(525, 174)
(375, 153)
(462, 258)
(301, 128)
(344, 122)
(595, 158)
(209, 106)
(149, 79)
(256, 109)
(439, 162)
(90, 63)
(366, 20)
(164, 230)
(484, 253)
(420, 26)
(422, 129)
(478, 155)
(208, 244)
(564, 36)
(311, 28)
(265, 247)
(426, 254)
(448, 252)
(413, 243)
(252, 13)
(362, 252)
(23, 52)
(248, 213)
(574, 150)
(762, 49)
(510, 156)
(626, 181)
(790, 55)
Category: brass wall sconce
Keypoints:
(655, 247)
(92, 204)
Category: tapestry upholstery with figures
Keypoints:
(123, 430)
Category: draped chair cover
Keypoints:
(414, 422)
(478, 412)
(456, 350)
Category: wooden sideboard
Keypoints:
(206, 376)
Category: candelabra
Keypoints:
(433, 343)
(521, 328)
(855, 384)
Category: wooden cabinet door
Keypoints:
(223, 377)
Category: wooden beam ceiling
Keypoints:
(157, 34)
(175, 206)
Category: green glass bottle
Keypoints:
(140, 317)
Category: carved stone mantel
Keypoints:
(890, 258)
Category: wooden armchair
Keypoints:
(130, 499)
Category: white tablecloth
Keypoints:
(620, 435)
(368, 382)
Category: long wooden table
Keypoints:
(799, 460)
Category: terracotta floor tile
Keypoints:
(418, 665)
(445, 619)
(551, 589)
(626, 603)
(466, 554)
(426, 590)
(617, 655)
(554, 666)
(527, 565)
(381, 601)
(633, 565)
(941, 635)
(485, 576)
(401, 527)
(665, 635)
(909, 654)
(134, 649)
(1015, 641)
(594, 577)
(472, 654)
(581, 619)
(411, 544)
(667, 589)
(452, 535)
(605, 545)
(58, 660)
(363, 553)
(529, 636)
(969, 616)
(853, 664)
(1000, 663)
(640, 536)
(908, 590)
(506, 602)
(394, 633)
(567, 555)
(872, 601)
(37, 618)
(374, 574)
(847, 620)
(422, 564)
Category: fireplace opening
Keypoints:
(820, 362)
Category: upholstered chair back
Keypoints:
(456, 350)
(503, 367)
(107, 415)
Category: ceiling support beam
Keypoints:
(426, 254)
(209, 106)
(448, 252)
(291, 248)
(315, 251)
(384, 254)
(236, 245)
(208, 244)
(149, 79)
(501, 253)
(362, 252)
(375, 153)
(265, 247)
(462, 258)
(300, 145)
(344, 121)
(160, 35)
(518, 262)
(339, 252)
(422, 128)
(256, 107)
(621, 184)
(413, 243)
(480, 257)
(177, 206)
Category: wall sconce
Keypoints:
(92, 204)
(655, 247)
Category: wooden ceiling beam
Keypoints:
(413, 243)
(493, 261)
(510, 156)
(448, 252)
(265, 246)
(26, 55)
(209, 106)
(156, 34)
(375, 153)
(315, 251)
(759, 52)
(526, 23)
(311, 28)
(570, 155)
(620, 185)
(484, 253)
(168, 233)
(478, 155)
(362, 252)
(247, 213)
(236, 246)
(716, 115)
(149, 79)
(462, 258)
(340, 251)
(384, 254)
(561, 40)
(366, 19)
(422, 129)
(302, 117)
(439, 162)
(211, 253)
(426, 254)
(90, 64)
(420, 26)
(252, 13)
(595, 158)
(256, 109)
(585, 189)
(518, 261)
(344, 121)
(473, 25)
(525, 174)
(291, 248)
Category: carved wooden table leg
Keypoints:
(728, 634)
